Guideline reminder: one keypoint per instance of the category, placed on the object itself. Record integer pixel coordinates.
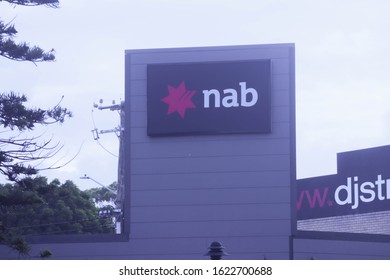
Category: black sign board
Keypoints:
(209, 98)
(362, 185)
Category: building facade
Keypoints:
(222, 168)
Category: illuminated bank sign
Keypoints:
(208, 98)
(362, 185)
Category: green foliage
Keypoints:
(32, 206)
(36, 207)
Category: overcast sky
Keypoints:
(342, 72)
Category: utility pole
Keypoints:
(114, 107)
(119, 131)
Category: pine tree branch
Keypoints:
(7, 29)
(49, 3)
(20, 51)
(23, 52)
(18, 152)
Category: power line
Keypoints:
(96, 137)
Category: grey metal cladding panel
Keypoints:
(210, 196)
(211, 164)
(280, 66)
(234, 245)
(245, 211)
(281, 255)
(257, 244)
(218, 147)
(211, 180)
(170, 248)
(256, 247)
(207, 54)
(211, 229)
(139, 72)
(137, 88)
(280, 82)
(138, 104)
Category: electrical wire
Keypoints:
(97, 138)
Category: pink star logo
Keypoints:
(179, 99)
